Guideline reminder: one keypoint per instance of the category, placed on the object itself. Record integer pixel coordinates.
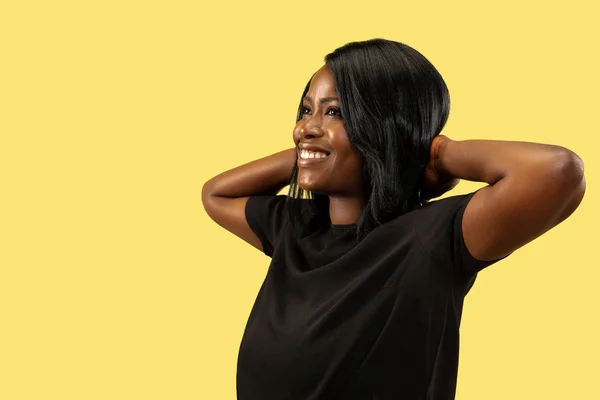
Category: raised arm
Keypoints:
(533, 187)
(224, 197)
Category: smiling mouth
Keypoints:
(312, 155)
(308, 158)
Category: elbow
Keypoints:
(209, 202)
(572, 178)
(207, 192)
(570, 169)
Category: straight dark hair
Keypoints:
(393, 102)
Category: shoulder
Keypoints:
(439, 227)
(444, 207)
(273, 216)
(434, 223)
(440, 215)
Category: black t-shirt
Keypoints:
(375, 320)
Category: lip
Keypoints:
(305, 162)
(312, 147)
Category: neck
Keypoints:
(345, 210)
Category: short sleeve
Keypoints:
(266, 216)
(439, 227)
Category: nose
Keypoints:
(312, 128)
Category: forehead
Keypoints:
(322, 83)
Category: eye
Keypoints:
(335, 110)
(304, 110)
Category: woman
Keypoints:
(364, 293)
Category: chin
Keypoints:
(311, 187)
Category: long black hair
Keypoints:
(393, 102)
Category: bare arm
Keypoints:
(224, 197)
(533, 187)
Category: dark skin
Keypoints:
(340, 175)
(531, 188)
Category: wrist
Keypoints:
(442, 154)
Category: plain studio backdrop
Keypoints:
(115, 284)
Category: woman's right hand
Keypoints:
(436, 182)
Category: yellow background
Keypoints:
(115, 284)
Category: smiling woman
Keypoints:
(364, 294)
(321, 133)
(385, 145)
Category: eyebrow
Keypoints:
(321, 100)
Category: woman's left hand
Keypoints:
(436, 182)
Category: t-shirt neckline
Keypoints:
(342, 226)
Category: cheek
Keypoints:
(353, 160)
(346, 167)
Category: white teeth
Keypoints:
(305, 154)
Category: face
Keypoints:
(327, 162)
